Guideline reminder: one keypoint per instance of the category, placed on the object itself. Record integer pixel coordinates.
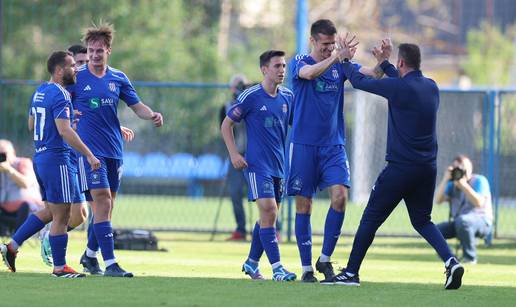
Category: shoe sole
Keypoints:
(349, 284)
(4, 251)
(70, 275)
(327, 283)
(455, 280)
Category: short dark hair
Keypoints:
(322, 26)
(57, 58)
(266, 57)
(411, 54)
(75, 49)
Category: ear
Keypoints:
(263, 69)
(109, 51)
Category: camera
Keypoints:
(3, 157)
(457, 173)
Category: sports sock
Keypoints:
(58, 244)
(93, 244)
(256, 251)
(31, 226)
(304, 238)
(104, 233)
(332, 228)
(270, 244)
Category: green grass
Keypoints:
(197, 272)
(187, 213)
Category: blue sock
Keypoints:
(270, 244)
(256, 251)
(58, 244)
(93, 244)
(304, 238)
(433, 236)
(104, 233)
(30, 227)
(332, 228)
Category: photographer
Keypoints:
(19, 190)
(470, 205)
(235, 178)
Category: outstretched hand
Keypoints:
(346, 47)
(383, 52)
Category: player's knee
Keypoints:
(303, 205)
(339, 200)
(44, 215)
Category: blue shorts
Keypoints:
(58, 184)
(313, 167)
(74, 168)
(106, 177)
(264, 186)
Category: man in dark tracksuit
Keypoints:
(410, 174)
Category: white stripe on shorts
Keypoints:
(252, 185)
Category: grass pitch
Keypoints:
(197, 272)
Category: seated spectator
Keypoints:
(471, 213)
(19, 190)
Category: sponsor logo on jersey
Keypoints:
(107, 101)
(263, 108)
(94, 103)
(87, 88)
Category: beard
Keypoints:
(69, 79)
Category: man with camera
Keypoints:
(471, 213)
(19, 191)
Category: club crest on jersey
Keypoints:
(112, 86)
(335, 73)
(94, 103)
(285, 108)
(267, 188)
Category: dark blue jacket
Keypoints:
(413, 103)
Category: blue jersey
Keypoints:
(49, 102)
(319, 105)
(97, 100)
(266, 120)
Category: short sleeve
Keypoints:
(241, 108)
(296, 64)
(449, 189)
(128, 93)
(61, 107)
(481, 185)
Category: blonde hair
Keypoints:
(104, 32)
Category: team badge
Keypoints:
(267, 188)
(112, 86)
(297, 184)
(335, 73)
(95, 178)
(285, 108)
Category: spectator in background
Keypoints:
(471, 213)
(235, 177)
(19, 190)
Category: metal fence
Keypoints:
(175, 176)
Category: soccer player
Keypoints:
(50, 119)
(79, 212)
(265, 109)
(410, 173)
(317, 154)
(96, 95)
